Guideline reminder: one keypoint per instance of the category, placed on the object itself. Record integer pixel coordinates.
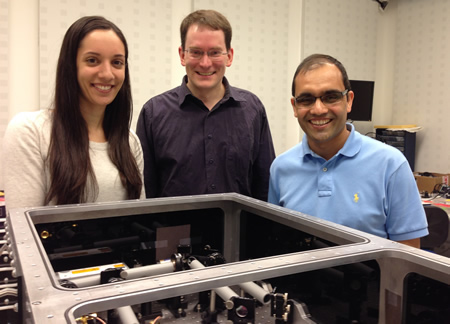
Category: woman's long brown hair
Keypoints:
(72, 176)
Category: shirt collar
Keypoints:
(351, 147)
(183, 91)
(353, 143)
(230, 92)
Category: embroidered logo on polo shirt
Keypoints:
(355, 198)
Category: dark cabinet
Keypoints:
(400, 139)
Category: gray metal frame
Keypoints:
(45, 301)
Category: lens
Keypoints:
(332, 98)
(195, 53)
(305, 101)
(241, 311)
(214, 53)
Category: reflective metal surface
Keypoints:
(44, 300)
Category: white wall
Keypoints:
(4, 74)
(422, 78)
(404, 49)
(152, 32)
(147, 26)
(348, 31)
(19, 60)
(261, 64)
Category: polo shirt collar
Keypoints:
(351, 147)
(353, 143)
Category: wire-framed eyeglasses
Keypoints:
(330, 98)
(197, 54)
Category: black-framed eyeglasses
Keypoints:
(197, 54)
(330, 98)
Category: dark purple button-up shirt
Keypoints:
(190, 150)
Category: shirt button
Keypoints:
(213, 186)
(324, 169)
(209, 136)
(211, 161)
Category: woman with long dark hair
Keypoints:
(82, 150)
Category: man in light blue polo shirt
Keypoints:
(336, 173)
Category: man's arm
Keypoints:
(407, 221)
(144, 132)
(264, 159)
(413, 242)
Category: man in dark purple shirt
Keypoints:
(205, 136)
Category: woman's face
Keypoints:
(100, 69)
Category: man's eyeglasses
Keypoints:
(328, 99)
(214, 54)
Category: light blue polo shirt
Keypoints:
(367, 185)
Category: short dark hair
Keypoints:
(315, 60)
(210, 18)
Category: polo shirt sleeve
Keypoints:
(274, 191)
(406, 217)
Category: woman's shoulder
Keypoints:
(29, 129)
(135, 143)
(35, 119)
(133, 137)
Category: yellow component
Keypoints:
(83, 319)
(85, 270)
(356, 198)
(395, 126)
(45, 234)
